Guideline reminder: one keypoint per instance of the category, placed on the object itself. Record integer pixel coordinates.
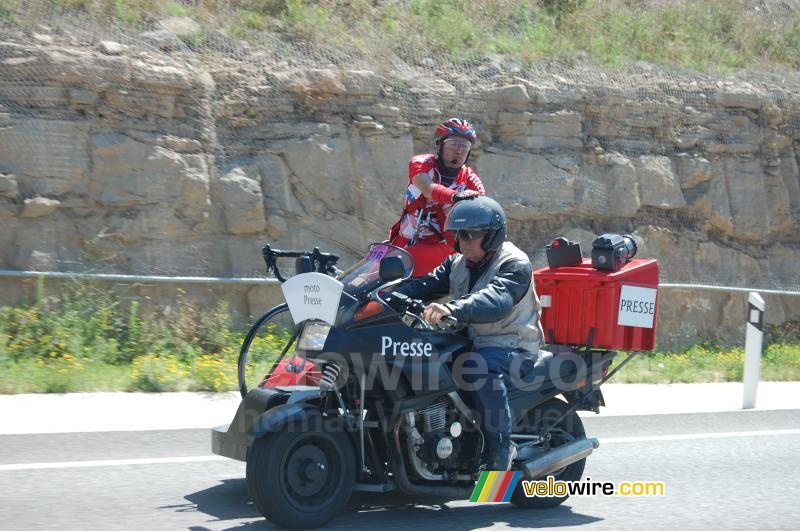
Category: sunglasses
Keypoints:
(469, 234)
(458, 143)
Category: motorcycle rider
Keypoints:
(489, 281)
(435, 182)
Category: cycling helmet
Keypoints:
(481, 213)
(454, 127)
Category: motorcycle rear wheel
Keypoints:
(301, 479)
(568, 430)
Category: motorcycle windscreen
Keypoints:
(364, 276)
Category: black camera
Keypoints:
(563, 252)
(610, 252)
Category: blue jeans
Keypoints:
(491, 398)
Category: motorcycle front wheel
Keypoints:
(569, 429)
(301, 478)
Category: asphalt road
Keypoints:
(721, 471)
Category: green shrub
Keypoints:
(84, 329)
(214, 373)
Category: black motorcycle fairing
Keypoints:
(416, 361)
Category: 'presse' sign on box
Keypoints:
(637, 306)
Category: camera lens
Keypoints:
(630, 246)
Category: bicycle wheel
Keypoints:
(272, 336)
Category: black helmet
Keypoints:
(481, 213)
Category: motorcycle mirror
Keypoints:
(391, 268)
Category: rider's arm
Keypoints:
(433, 285)
(435, 192)
(496, 300)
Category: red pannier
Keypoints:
(295, 371)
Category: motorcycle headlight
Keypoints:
(313, 336)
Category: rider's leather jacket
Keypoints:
(502, 310)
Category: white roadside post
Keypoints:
(752, 349)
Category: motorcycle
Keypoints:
(388, 409)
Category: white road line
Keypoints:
(205, 458)
(113, 462)
(690, 436)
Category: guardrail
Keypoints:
(258, 280)
(731, 289)
(136, 278)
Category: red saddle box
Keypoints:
(620, 307)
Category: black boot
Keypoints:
(499, 458)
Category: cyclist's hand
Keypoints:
(465, 194)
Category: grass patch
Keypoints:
(780, 361)
(714, 35)
(86, 339)
(710, 36)
(64, 376)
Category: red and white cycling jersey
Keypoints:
(423, 219)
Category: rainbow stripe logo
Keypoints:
(495, 487)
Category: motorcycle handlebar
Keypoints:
(415, 307)
(448, 322)
(320, 262)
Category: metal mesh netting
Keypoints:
(116, 144)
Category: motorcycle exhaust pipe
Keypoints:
(560, 457)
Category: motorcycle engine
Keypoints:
(442, 445)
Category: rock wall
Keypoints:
(124, 159)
